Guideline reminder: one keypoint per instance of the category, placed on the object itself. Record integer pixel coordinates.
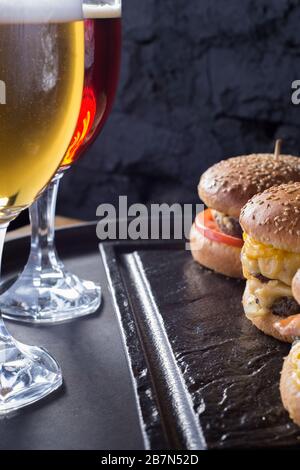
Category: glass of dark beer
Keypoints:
(46, 292)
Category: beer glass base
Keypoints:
(50, 298)
(27, 374)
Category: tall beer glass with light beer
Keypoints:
(46, 292)
(41, 76)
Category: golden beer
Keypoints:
(41, 83)
(42, 67)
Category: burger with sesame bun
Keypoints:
(290, 326)
(271, 259)
(290, 383)
(271, 265)
(290, 374)
(216, 235)
(296, 286)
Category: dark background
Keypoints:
(201, 80)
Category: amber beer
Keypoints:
(102, 64)
(42, 66)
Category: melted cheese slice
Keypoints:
(259, 297)
(268, 261)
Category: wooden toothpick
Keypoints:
(277, 150)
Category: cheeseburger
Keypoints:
(290, 383)
(271, 259)
(296, 287)
(290, 326)
(290, 374)
(216, 236)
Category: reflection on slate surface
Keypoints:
(230, 368)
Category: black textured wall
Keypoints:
(201, 80)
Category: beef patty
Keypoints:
(285, 306)
(261, 278)
(227, 224)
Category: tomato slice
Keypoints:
(207, 226)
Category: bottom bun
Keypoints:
(224, 259)
(290, 383)
(296, 286)
(266, 324)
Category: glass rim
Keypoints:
(100, 9)
(37, 11)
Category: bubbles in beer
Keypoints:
(42, 66)
(40, 11)
(106, 9)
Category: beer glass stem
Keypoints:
(5, 337)
(3, 229)
(46, 292)
(27, 373)
(42, 215)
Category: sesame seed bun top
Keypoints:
(273, 217)
(229, 184)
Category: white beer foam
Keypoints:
(107, 9)
(40, 11)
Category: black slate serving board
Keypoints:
(204, 376)
(95, 409)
